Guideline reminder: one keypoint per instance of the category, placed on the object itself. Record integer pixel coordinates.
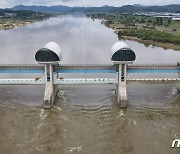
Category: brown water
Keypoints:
(85, 119)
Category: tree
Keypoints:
(169, 21)
(159, 20)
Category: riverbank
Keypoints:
(10, 19)
(153, 43)
(6, 24)
(155, 31)
(151, 37)
(10, 25)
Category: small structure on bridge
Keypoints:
(121, 56)
(50, 53)
(49, 56)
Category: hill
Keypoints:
(173, 8)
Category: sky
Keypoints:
(11, 3)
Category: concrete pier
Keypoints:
(49, 56)
(122, 92)
(50, 87)
(122, 95)
(48, 95)
(122, 55)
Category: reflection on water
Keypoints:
(85, 119)
(81, 39)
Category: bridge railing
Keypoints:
(154, 66)
(159, 64)
(88, 68)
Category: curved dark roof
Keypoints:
(124, 55)
(46, 55)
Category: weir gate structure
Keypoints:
(49, 56)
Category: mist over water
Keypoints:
(85, 119)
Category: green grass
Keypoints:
(176, 24)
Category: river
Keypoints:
(85, 119)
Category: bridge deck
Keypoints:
(89, 68)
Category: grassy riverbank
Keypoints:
(157, 31)
(10, 18)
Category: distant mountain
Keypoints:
(129, 9)
(123, 9)
(165, 8)
(139, 5)
(35, 8)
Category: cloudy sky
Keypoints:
(11, 3)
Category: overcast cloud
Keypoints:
(11, 3)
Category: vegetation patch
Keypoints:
(12, 18)
(153, 35)
(154, 30)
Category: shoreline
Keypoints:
(17, 23)
(8, 26)
(117, 26)
(153, 43)
(165, 46)
(7, 23)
